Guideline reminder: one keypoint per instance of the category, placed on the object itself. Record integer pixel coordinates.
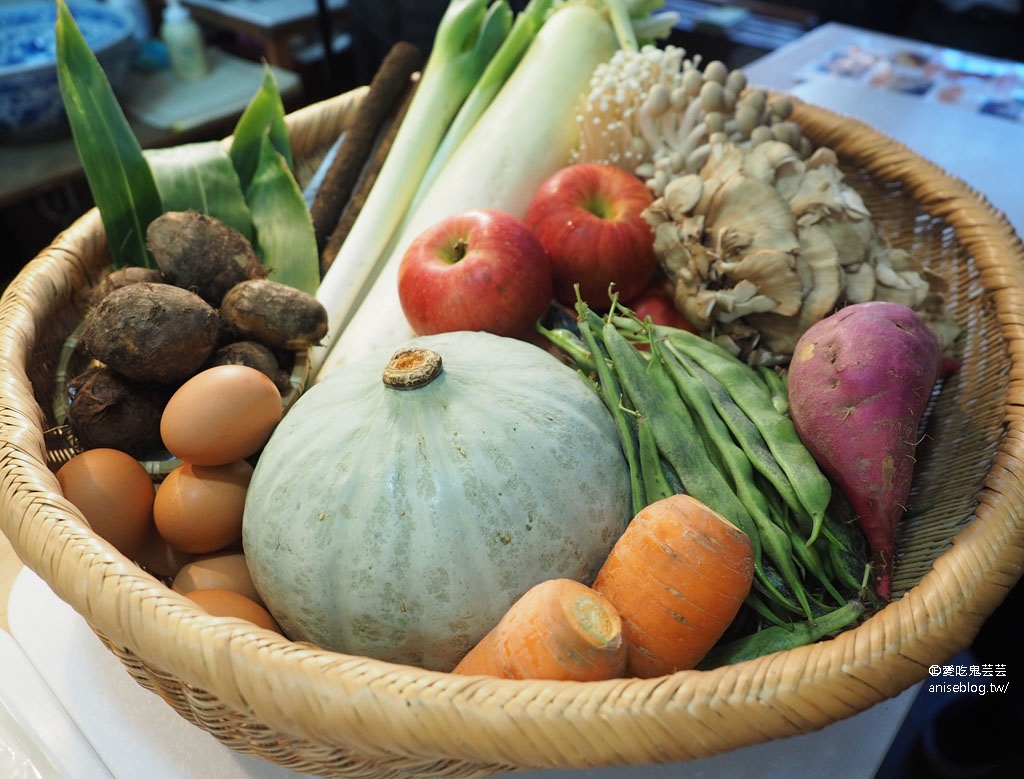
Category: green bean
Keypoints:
(807, 555)
(611, 393)
(763, 610)
(813, 490)
(811, 560)
(674, 483)
(675, 433)
(773, 541)
(777, 387)
(743, 428)
(571, 344)
(847, 552)
(652, 473)
(781, 638)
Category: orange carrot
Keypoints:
(560, 629)
(677, 576)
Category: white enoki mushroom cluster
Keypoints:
(762, 243)
(657, 113)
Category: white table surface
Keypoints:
(983, 150)
(89, 713)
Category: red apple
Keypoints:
(481, 269)
(588, 218)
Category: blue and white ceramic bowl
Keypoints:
(31, 106)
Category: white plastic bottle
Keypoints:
(184, 40)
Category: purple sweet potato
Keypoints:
(859, 384)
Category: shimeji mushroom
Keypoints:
(764, 241)
(657, 113)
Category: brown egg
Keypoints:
(227, 603)
(226, 571)
(220, 415)
(199, 509)
(114, 493)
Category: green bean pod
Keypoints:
(573, 346)
(611, 393)
(675, 433)
(743, 429)
(847, 553)
(773, 541)
(652, 472)
(782, 638)
(777, 387)
(812, 488)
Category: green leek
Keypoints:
(526, 131)
(524, 29)
(468, 35)
(122, 185)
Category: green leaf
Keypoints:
(264, 113)
(122, 185)
(285, 239)
(201, 177)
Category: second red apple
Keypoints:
(588, 217)
(481, 269)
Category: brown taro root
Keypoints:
(274, 314)
(201, 254)
(151, 332)
(131, 274)
(254, 355)
(109, 411)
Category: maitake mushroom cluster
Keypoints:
(761, 244)
(756, 228)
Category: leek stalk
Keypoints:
(514, 130)
(526, 134)
(468, 35)
(506, 59)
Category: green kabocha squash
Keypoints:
(401, 507)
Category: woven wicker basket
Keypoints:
(961, 548)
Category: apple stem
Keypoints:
(459, 250)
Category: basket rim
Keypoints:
(384, 709)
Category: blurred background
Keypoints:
(323, 47)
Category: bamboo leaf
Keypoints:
(121, 183)
(201, 177)
(264, 113)
(285, 239)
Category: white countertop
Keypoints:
(963, 112)
(84, 710)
